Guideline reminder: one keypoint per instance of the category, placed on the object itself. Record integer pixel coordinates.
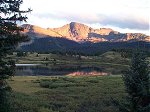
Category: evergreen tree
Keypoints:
(10, 36)
(137, 84)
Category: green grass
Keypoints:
(66, 94)
(69, 94)
(111, 58)
(110, 62)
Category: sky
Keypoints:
(121, 15)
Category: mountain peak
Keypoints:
(82, 33)
(73, 23)
(77, 25)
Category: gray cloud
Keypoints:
(125, 21)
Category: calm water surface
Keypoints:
(53, 70)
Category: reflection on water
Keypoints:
(26, 64)
(92, 73)
(41, 70)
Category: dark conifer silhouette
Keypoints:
(10, 36)
(137, 84)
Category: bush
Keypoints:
(44, 84)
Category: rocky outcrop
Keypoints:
(82, 33)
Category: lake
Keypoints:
(57, 70)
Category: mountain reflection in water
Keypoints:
(61, 70)
(92, 73)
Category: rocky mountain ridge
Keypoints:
(82, 33)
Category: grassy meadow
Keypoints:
(110, 62)
(110, 58)
(66, 94)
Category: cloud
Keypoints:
(122, 14)
(116, 20)
(126, 21)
